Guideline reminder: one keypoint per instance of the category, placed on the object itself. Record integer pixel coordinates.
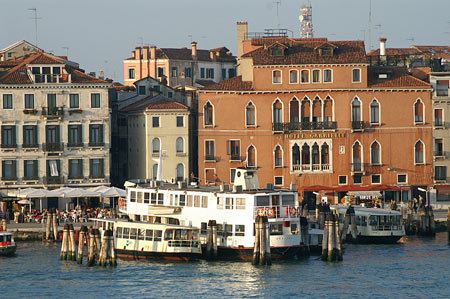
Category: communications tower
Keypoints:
(306, 25)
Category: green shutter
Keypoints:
(80, 129)
(90, 168)
(14, 134)
(3, 168)
(101, 133)
(14, 169)
(35, 133)
(58, 139)
(101, 172)
(36, 168)
(90, 133)
(80, 168)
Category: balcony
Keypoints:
(52, 78)
(311, 167)
(235, 158)
(440, 179)
(358, 125)
(52, 180)
(75, 144)
(357, 167)
(102, 144)
(31, 178)
(97, 176)
(299, 126)
(9, 145)
(52, 112)
(30, 145)
(53, 147)
(439, 154)
(9, 178)
(210, 158)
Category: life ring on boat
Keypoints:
(269, 212)
(260, 212)
(293, 211)
(299, 212)
(120, 202)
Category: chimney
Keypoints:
(152, 52)
(145, 53)
(137, 53)
(382, 46)
(194, 50)
(241, 34)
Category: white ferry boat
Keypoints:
(374, 225)
(7, 244)
(233, 210)
(159, 238)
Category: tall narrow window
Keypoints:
(8, 136)
(294, 111)
(51, 103)
(208, 114)
(306, 155)
(357, 165)
(251, 156)
(250, 114)
(180, 172)
(155, 171)
(209, 150)
(316, 76)
(375, 153)
(234, 148)
(295, 156)
(7, 101)
(438, 119)
(75, 137)
(96, 135)
(418, 112)
(29, 101)
(356, 110)
(293, 76)
(277, 108)
(418, 152)
(374, 112)
(438, 147)
(305, 76)
(180, 145)
(278, 156)
(30, 136)
(276, 77)
(95, 100)
(74, 100)
(325, 159)
(315, 155)
(328, 111)
(317, 110)
(75, 168)
(131, 73)
(306, 107)
(156, 146)
(327, 76)
(356, 75)
(96, 168)
(30, 169)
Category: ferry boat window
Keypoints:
(8, 238)
(133, 196)
(182, 200)
(239, 230)
(240, 203)
(133, 233)
(1, 239)
(204, 201)
(276, 228)
(220, 229)
(176, 200)
(363, 221)
(126, 233)
(197, 201)
(203, 228)
(146, 197)
(294, 228)
(276, 204)
(160, 198)
(173, 221)
(158, 236)
(148, 235)
(119, 232)
(228, 230)
(229, 203)
(168, 235)
(141, 233)
(373, 220)
(358, 220)
(139, 197)
(189, 201)
(157, 220)
(153, 199)
(171, 200)
(262, 201)
(288, 200)
(220, 202)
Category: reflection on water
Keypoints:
(414, 268)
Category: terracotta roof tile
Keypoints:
(234, 83)
(397, 77)
(166, 104)
(186, 54)
(395, 51)
(261, 41)
(305, 52)
(204, 82)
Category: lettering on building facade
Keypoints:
(314, 135)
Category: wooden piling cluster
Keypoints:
(331, 243)
(304, 233)
(420, 222)
(51, 229)
(101, 253)
(261, 250)
(211, 240)
(349, 219)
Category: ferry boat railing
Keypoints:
(183, 243)
(275, 212)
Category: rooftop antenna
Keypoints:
(35, 18)
(67, 51)
(370, 25)
(306, 25)
(278, 3)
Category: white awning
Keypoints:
(364, 193)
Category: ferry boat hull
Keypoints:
(148, 255)
(7, 250)
(246, 253)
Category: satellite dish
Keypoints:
(301, 18)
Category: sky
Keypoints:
(99, 34)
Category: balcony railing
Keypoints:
(75, 177)
(299, 126)
(75, 144)
(439, 154)
(9, 178)
(9, 145)
(30, 145)
(31, 178)
(311, 167)
(357, 167)
(53, 111)
(236, 158)
(53, 147)
(440, 178)
(51, 180)
(210, 158)
(358, 125)
(99, 144)
(97, 176)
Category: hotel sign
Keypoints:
(314, 135)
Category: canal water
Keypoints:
(415, 268)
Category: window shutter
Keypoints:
(14, 168)
(229, 147)
(90, 167)
(3, 168)
(35, 168)
(80, 133)
(101, 133)
(80, 167)
(35, 134)
(90, 133)
(101, 172)
(58, 139)
(14, 134)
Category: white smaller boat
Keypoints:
(160, 238)
(374, 225)
(7, 244)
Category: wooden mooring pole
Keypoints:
(331, 248)
(81, 242)
(64, 243)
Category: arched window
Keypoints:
(306, 106)
(375, 153)
(278, 156)
(374, 112)
(294, 111)
(315, 154)
(418, 152)
(277, 108)
(418, 111)
(154, 171)
(293, 76)
(305, 155)
(328, 110)
(180, 172)
(156, 145)
(317, 110)
(356, 155)
(251, 156)
(325, 159)
(250, 114)
(295, 155)
(180, 145)
(356, 110)
(208, 114)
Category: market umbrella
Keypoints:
(36, 193)
(113, 192)
(78, 192)
(24, 202)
